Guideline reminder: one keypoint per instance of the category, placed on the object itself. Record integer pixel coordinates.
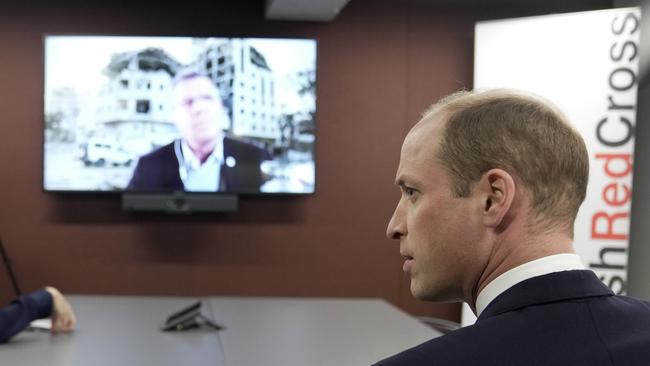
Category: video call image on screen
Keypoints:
(179, 113)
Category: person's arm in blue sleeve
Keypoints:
(20, 312)
(48, 302)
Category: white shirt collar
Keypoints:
(538, 267)
(197, 177)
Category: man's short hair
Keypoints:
(187, 74)
(524, 135)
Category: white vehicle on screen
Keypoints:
(103, 153)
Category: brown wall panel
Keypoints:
(380, 64)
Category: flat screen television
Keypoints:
(170, 114)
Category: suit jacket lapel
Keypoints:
(552, 287)
(223, 179)
(226, 179)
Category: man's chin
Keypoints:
(205, 139)
(420, 293)
(433, 295)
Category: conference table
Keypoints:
(125, 330)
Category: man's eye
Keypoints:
(410, 192)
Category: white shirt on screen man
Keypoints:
(199, 177)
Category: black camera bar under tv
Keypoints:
(179, 202)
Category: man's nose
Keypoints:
(396, 226)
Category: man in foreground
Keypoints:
(491, 184)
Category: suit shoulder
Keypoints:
(643, 304)
(237, 143)
(455, 348)
(239, 147)
(160, 154)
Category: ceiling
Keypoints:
(327, 10)
(311, 10)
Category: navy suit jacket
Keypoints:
(17, 315)
(562, 318)
(158, 170)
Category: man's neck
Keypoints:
(203, 151)
(538, 267)
(507, 254)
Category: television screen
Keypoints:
(168, 114)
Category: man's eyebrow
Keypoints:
(405, 180)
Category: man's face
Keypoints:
(436, 230)
(199, 114)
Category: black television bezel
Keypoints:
(173, 192)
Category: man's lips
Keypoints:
(408, 263)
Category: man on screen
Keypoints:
(203, 159)
(491, 184)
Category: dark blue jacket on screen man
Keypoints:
(159, 170)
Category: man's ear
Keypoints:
(497, 190)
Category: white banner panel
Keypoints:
(587, 64)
